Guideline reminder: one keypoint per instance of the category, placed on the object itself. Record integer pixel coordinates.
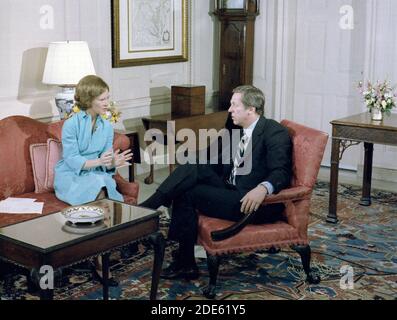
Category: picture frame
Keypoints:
(148, 32)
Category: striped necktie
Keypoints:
(237, 159)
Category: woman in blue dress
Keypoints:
(88, 162)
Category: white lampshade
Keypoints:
(67, 62)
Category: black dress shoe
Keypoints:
(112, 282)
(177, 270)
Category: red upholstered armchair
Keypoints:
(308, 150)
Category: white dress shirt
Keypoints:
(248, 132)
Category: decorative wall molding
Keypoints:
(370, 40)
(284, 62)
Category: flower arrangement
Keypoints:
(112, 115)
(380, 96)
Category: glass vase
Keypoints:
(376, 114)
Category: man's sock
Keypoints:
(158, 199)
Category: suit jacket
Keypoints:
(268, 157)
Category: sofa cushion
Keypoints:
(38, 155)
(54, 154)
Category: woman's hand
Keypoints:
(120, 159)
(106, 158)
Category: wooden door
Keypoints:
(327, 69)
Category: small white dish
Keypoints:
(83, 214)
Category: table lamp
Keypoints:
(67, 62)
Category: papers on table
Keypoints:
(21, 206)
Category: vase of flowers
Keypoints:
(379, 98)
(112, 115)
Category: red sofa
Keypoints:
(17, 133)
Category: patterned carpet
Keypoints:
(365, 239)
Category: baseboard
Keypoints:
(378, 173)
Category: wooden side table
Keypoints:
(211, 120)
(352, 131)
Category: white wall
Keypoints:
(140, 91)
(380, 64)
(304, 62)
(317, 65)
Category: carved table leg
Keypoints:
(158, 243)
(47, 294)
(44, 282)
(149, 178)
(333, 192)
(367, 176)
(105, 275)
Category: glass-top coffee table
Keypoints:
(53, 242)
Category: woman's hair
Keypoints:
(252, 97)
(87, 90)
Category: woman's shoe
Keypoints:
(112, 282)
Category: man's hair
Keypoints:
(252, 97)
(88, 89)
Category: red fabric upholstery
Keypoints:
(53, 155)
(51, 204)
(253, 237)
(38, 154)
(308, 149)
(17, 133)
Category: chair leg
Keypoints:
(305, 253)
(213, 267)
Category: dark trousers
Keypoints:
(198, 187)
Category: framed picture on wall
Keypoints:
(149, 32)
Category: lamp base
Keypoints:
(64, 101)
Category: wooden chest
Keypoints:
(187, 100)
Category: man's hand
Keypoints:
(253, 199)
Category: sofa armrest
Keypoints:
(130, 189)
(121, 141)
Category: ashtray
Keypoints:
(83, 214)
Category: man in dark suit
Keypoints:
(260, 166)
